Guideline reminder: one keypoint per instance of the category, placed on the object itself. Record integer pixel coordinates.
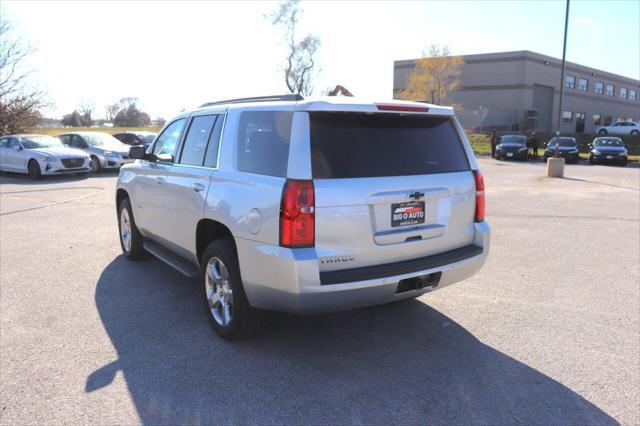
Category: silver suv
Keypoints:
(306, 205)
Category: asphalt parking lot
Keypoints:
(547, 332)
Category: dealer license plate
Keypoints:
(411, 213)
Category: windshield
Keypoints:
(35, 142)
(149, 138)
(514, 139)
(570, 142)
(101, 139)
(608, 142)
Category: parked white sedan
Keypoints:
(620, 128)
(38, 155)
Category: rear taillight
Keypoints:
(480, 198)
(297, 214)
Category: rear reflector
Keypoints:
(408, 108)
(480, 196)
(297, 214)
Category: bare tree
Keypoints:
(339, 90)
(111, 111)
(20, 104)
(299, 68)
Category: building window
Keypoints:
(599, 87)
(583, 84)
(580, 122)
(569, 82)
(607, 120)
(610, 89)
(632, 94)
(567, 116)
(623, 92)
(596, 120)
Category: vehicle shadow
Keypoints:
(400, 363)
(23, 179)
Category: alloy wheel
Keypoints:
(125, 229)
(219, 292)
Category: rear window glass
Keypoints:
(357, 145)
(263, 142)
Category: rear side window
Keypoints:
(358, 145)
(195, 144)
(263, 142)
(211, 157)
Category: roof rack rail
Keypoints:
(287, 97)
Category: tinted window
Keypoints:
(195, 144)
(263, 142)
(168, 140)
(77, 142)
(211, 158)
(354, 145)
(64, 139)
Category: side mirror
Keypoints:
(137, 153)
(164, 158)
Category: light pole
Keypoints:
(555, 166)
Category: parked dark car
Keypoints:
(136, 138)
(608, 150)
(568, 149)
(512, 147)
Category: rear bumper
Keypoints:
(281, 279)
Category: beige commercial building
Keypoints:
(517, 91)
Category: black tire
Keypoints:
(602, 132)
(245, 321)
(95, 164)
(34, 170)
(135, 251)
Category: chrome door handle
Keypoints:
(197, 187)
(160, 179)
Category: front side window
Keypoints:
(599, 87)
(632, 94)
(623, 92)
(263, 142)
(567, 116)
(195, 143)
(168, 141)
(596, 119)
(569, 82)
(583, 84)
(609, 90)
(361, 145)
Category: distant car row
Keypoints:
(76, 152)
(620, 128)
(604, 149)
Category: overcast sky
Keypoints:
(175, 55)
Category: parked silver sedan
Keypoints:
(106, 152)
(38, 155)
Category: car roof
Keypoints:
(331, 103)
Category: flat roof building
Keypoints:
(517, 91)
